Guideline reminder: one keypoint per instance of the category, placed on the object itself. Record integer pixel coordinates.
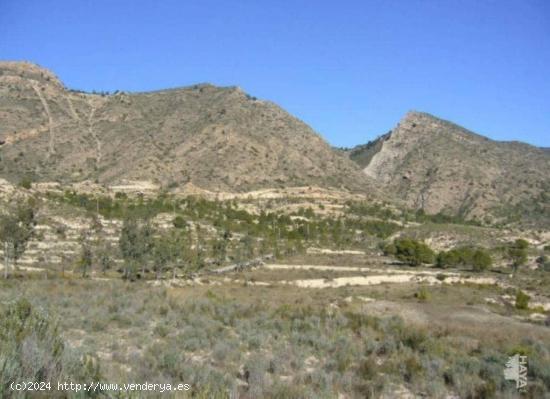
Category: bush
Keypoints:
(481, 260)
(422, 294)
(517, 252)
(522, 300)
(412, 252)
(448, 258)
(25, 182)
(30, 345)
(32, 349)
(179, 222)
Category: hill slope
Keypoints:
(438, 166)
(216, 138)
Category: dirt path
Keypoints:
(359, 269)
(71, 108)
(95, 104)
(383, 276)
(51, 143)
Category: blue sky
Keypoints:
(350, 69)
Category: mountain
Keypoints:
(437, 166)
(216, 138)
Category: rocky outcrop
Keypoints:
(438, 166)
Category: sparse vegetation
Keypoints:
(249, 346)
(32, 349)
(256, 261)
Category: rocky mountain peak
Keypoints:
(16, 70)
(438, 166)
(217, 138)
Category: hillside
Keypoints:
(438, 166)
(216, 138)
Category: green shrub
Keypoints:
(412, 252)
(179, 222)
(517, 252)
(422, 294)
(32, 349)
(25, 182)
(448, 259)
(522, 300)
(481, 260)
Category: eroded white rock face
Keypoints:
(438, 166)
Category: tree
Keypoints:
(16, 229)
(219, 246)
(481, 260)
(412, 252)
(103, 255)
(517, 252)
(85, 261)
(247, 244)
(448, 258)
(168, 249)
(135, 245)
(478, 258)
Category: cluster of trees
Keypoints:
(144, 247)
(360, 208)
(240, 235)
(415, 252)
(410, 251)
(267, 232)
(479, 258)
(94, 249)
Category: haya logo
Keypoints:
(516, 370)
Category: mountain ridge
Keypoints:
(439, 166)
(222, 139)
(217, 138)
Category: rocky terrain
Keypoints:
(205, 139)
(220, 139)
(204, 236)
(437, 166)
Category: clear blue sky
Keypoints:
(350, 69)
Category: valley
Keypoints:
(200, 235)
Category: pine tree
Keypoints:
(16, 229)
